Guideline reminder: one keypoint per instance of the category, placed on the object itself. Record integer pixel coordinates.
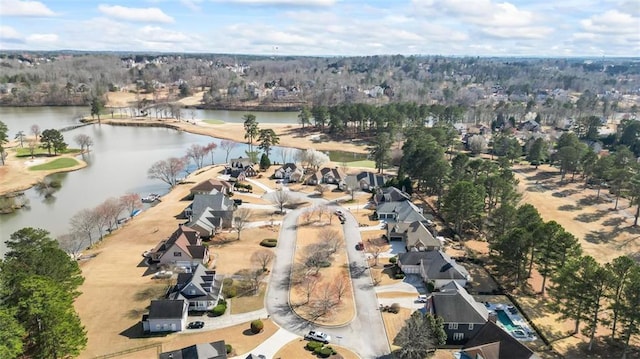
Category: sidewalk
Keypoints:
(270, 347)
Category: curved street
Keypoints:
(365, 334)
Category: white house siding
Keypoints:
(409, 269)
(166, 325)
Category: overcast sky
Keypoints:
(327, 27)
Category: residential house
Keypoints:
(213, 350)
(415, 235)
(492, 342)
(201, 289)
(529, 125)
(433, 266)
(212, 186)
(327, 175)
(369, 181)
(404, 211)
(390, 194)
(463, 317)
(182, 249)
(166, 315)
(289, 172)
(209, 213)
(240, 168)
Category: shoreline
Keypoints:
(17, 177)
(235, 132)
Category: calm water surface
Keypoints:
(118, 162)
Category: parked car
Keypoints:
(339, 212)
(237, 201)
(195, 325)
(359, 246)
(163, 274)
(422, 298)
(318, 336)
(342, 219)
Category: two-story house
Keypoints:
(209, 213)
(415, 235)
(463, 317)
(433, 266)
(403, 211)
(182, 249)
(289, 172)
(328, 176)
(212, 186)
(201, 289)
(492, 342)
(240, 168)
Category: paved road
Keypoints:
(365, 334)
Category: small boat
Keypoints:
(135, 212)
(152, 197)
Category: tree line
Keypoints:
(38, 285)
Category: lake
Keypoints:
(117, 164)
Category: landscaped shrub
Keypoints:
(431, 286)
(323, 352)
(227, 282)
(324, 264)
(313, 345)
(269, 242)
(393, 260)
(229, 291)
(219, 309)
(399, 276)
(257, 326)
(229, 348)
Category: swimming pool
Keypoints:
(506, 321)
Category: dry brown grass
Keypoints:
(238, 336)
(343, 312)
(394, 322)
(118, 286)
(295, 349)
(383, 273)
(248, 303)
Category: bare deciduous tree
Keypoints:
(241, 218)
(352, 186)
(340, 286)
(32, 145)
(262, 258)
(307, 286)
(85, 222)
(331, 240)
(197, 153)
(84, 141)
(280, 199)
(316, 256)
(71, 243)
(227, 146)
(325, 303)
(35, 131)
(306, 216)
(210, 149)
(375, 246)
(252, 276)
(167, 170)
(110, 209)
(131, 202)
(323, 210)
(321, 189)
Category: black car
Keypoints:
(195, 325)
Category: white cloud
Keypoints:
(158, 34)
(42, 38)
(24, 8)
(150, 14)
(283, 2)
(193, 5)
(7, 33)
(612, 22)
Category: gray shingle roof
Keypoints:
(454, 305)
(372, 179)
(205, 283)
(166, 309)
(391, 194)
(405, 210)
(416, 234)
(213, 350)
(215, 202)
(509, 347)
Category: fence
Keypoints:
(132, 350)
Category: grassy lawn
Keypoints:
(55, 164)
(363, 163)
(248, 304)
(24, 152)
(213, 122)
